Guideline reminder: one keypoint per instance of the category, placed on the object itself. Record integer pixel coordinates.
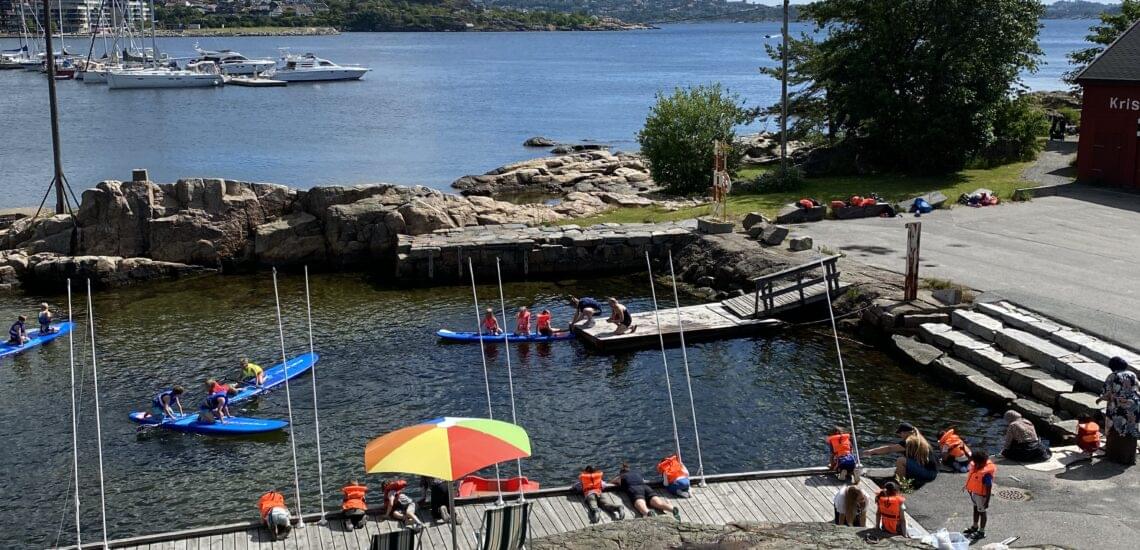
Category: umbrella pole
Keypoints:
(452, 510)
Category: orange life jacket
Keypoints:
(953, 445)
(543, 321)
(672, 468)
(840, 444)
(868, 202)
(591, 483)
(354, 497)
(855, 200)
(523, 324)
(491, 324)
(835, 205)
(975, 478)
(1088, 433)
(890, 510)
(269, 501)
(806, 203)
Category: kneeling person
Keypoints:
(274, 514)
(353, 505)
(675, 476)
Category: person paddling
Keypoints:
(45, 318)
(353, 505)
(18, 333)
(252, 371)
(490, 324)
(163, 402)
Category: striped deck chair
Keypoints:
(504, 528)
(402, 539)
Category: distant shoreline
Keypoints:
(330, 31)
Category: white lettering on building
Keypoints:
(1124, 104)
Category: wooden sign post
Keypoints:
(913, 238)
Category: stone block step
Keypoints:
(978, 324)
(1086, 373)
(1036, 412)
(1048, 390)
(929, 332)
(1032, 348)
(922, 354)
(1019, 318)
(1079, 403)
(1101, 352)
(1021, 380)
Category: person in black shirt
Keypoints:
(643, 496)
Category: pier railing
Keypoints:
(773, 293)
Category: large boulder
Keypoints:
(582, 171)
(292, 239)
(362, 230)
(50, 234)
(193, 238)
(113, 217)
(422, 216)
(539, 141)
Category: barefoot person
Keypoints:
(620, 316)
(252, 371)
(399, 506)
(163, 403)
(18, 333)
(490, 323)
(522, 322)
(543, 324)
(274, 514)
(643, 496)
(584, 310)
(45, 318)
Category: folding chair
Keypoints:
(403, 539)
(504, 528)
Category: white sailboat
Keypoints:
(197, 75)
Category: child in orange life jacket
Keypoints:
(490, 323)
(675, 476)
(274, 514)
(592, 484)
(399, 506)
(891, 514)
(955, 453)
(522, 325)
(840, 458)
(353, 505)
(1088, 434)
(980, 485)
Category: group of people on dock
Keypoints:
(18, 332)
(591, 482)
(585, 309)
(215, 406)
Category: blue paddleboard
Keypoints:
(35, 339)
(453, 336)
(232, 426)
(275, 376)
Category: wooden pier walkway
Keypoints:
(780, 496)
(774, 294)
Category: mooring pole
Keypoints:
(49, 62)
(784, 97)
(913, 238)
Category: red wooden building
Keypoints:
(1109, 149)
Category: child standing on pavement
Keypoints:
(979, 485)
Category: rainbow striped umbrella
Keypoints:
(446, 448)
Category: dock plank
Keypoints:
(758, 512)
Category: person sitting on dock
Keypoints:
(522, 324)
(850, 503)
(840, 460)
(1021, 441)
(18, 333)
(543, 324)
(584, 310)
(216, 408)
(593, 486)
(620, 316)
(252, 371)
(399, 506)
(434, 493)
(955, 453)
(675, 476)
(490, 323)
(163, 402)
(642, 495)
(274, 514)
(353, 505)
(891, 514)
(45, 318)
(980, 486)
(918, 462)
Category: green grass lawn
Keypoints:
(1003, 180)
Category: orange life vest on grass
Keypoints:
(890, 510)
(269, 501)
(975, 478)
(354, 497)
(953, 445)
(591, 483)
(672, 468)
(1088, 434)
(840, 444)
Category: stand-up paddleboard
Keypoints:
(275, 376)
(232, 426)
(453, 336)
(35, 339)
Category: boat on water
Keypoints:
(196, 75)
(234, 63)
(310, 68)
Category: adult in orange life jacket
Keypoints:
(490, 324)
(891, 516)
(840, 458)
(675, 476)
(955, 453)
(353, 505)
(274, 514)
(522, 322)
(1088, 434)
(592, 483)
(399, 506)
(979, 485)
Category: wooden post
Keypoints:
(913, 238)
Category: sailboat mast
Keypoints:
(153, 40)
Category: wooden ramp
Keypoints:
(703, 322)
(785, 496)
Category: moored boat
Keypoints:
(198, 75)
(310, 68)
(230, 62)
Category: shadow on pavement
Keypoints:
(1103, 196)
(878, 250)
(1085, 470)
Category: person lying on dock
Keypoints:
(353, 505)
(643, 496)
(163, 402)
(274, 515)
(955, 453)
(592, 486)
(620, 316)
(435, 496)
(584, 310)
(252, 371)
(840, 460)
(18, 333)
(980, 486)
(891, 514)
(850, 503)
(216, 408)
(543, 324)
(675, 476)
(45, 318)
(522, 322)
(490, 323)
(399, 506)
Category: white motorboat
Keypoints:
(231, 62)
(197, 75)
(310, 68)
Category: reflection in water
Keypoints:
(763, 402)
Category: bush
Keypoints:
(679, 132)
(1017, 123)
(774, 181)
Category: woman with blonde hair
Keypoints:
(850, 506)
(918, 462)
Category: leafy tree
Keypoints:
(1111, 26)
(1017, 123)
(910, 85)
(679, 133)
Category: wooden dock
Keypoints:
(780, 496)
(774, 294)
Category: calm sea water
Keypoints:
(435, 106)
(763, 402)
